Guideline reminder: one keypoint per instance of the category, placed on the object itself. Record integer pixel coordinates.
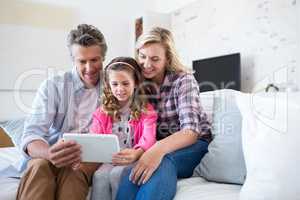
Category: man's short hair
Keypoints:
(87, 35)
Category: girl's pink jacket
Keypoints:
(144, 127)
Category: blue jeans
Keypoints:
(163, 182)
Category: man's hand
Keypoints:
(64, 153)
(127, 156)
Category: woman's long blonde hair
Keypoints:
(110, 103)
(165, 38)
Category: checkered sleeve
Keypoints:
(190, 112)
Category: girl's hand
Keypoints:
(127, 156)
(146, 165)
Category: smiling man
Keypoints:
(63, 104)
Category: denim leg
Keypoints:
(161, 185)
(188, 158)
(163, 182)
(127, 190)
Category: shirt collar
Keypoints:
(170, 77)
(78, 83)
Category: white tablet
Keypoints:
(95, 147)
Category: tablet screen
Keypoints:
(95, 147)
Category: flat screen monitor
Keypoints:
(222, 72)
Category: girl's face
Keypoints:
(122, 85)
(153, 60)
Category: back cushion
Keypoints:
(224, 161)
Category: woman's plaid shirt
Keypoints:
(177, 102)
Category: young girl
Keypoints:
(125, 113)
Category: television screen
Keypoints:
(222, 72)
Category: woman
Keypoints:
(183, 131)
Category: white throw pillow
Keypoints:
(271, 145)
(224, 161)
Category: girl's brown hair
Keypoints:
(110, 103)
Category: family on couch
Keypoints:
(155, 98)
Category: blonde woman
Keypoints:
(183, 131)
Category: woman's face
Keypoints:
(122, 85)
(153, 60)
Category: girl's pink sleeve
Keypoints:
(148, 137)
(96, 126)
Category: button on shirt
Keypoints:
(62, 105)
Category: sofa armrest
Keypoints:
(5, 140)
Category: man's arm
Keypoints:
(38, 149)
(36, 139)
(37, 124)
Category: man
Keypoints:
(63, 104)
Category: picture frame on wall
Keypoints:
(138, 28)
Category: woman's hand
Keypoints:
(127, 156)
(146, 165)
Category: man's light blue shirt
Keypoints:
(57, 109)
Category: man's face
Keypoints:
(88, 62)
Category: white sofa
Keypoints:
(194, 188)
(224, 164)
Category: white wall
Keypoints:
(298, 34)
(168, 6)
(33, 38)
(117, 21)
(151, 18)
(265, 32)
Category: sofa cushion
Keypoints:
(197, 188)
(271, 146)
(224, 161)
